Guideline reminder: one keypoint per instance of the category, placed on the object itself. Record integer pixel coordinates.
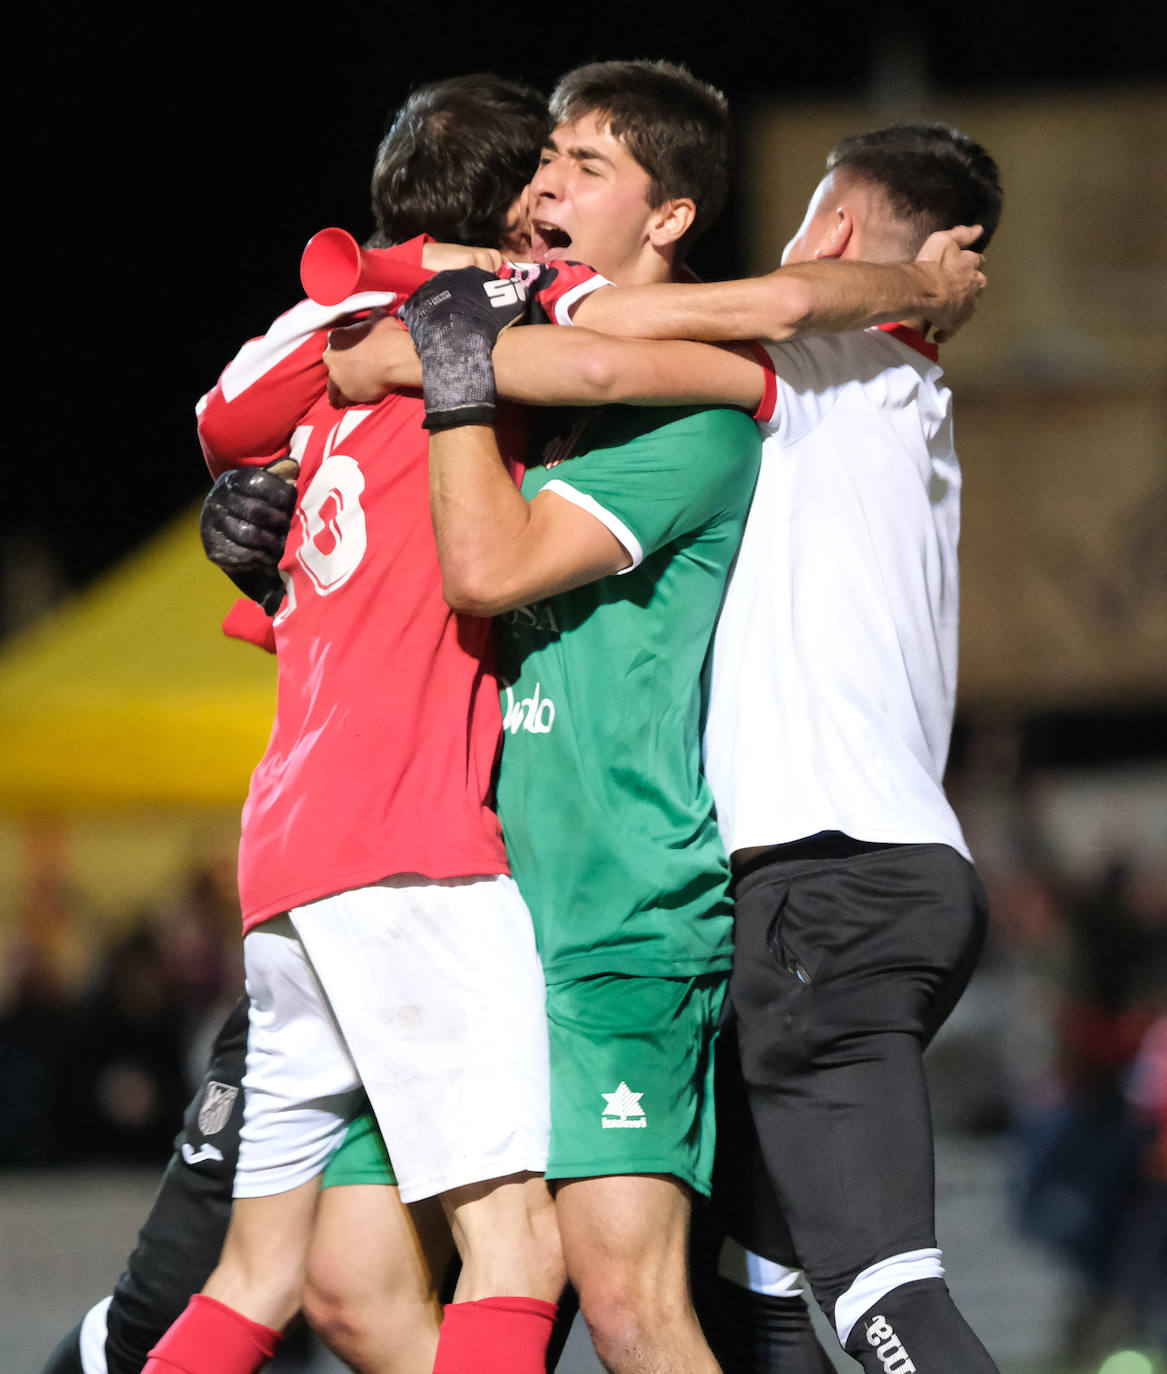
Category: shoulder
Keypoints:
(559, 289)
(684, 425)
(871, 368)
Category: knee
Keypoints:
(896, 1273)
(618, 1322)
(626, 1313)
(381, 1332)
(508, 1234)
(337, 1318)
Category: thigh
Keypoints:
(300, 1087)
(632, 1076)
(880, 942)
(438, 990)
(370, 1250)
(743, 1203)
(627, 1229)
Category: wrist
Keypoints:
(927, 289)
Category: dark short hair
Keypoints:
(674, 125)
(455, 158)
(933, 175)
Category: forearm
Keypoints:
(804, 298)
(480, 519)
(497, 550)
(551, 365)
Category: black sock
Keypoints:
(758, 1333)
(568, 1309)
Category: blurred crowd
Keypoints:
(1061, 1042)
(1058, 1051)
(101, 1046)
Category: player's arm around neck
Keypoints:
(550, 365)
(803, 298)
(497, 550)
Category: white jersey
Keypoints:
(834, 664)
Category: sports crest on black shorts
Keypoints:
(216, 1106)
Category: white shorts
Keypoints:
(430, 997)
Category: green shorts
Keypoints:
(632, 1076)
(361, 1156)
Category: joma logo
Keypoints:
(888, 1346)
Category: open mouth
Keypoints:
(548, 242)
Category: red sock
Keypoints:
(212, 1338)
(495, 1336)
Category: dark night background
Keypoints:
(172, 182)
(175, 180)
(167, 168)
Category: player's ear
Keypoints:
(837, 234)
(670, 221)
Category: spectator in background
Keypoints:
(124, 1085)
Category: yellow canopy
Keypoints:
(131, 694)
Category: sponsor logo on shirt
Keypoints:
(623, 1110)
(216, 1106)
(534, 714)
(503, 293)
(540, 616)
(888, 1346)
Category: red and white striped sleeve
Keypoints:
(248, 416)
(559, 286)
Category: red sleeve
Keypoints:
(273, 381)
(558, 287)
(247, 620)
(766, 406)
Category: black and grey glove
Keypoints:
(244, 525)
(454, 320)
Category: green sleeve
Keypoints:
(665, 474)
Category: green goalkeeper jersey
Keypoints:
(608, 819)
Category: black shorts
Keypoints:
(845, 966)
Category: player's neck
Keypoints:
(647, 268)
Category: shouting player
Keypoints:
(608, 822)
(387, 949)
(634, 1287)
(860, 431)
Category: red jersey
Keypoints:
(387, 719)
(561, 286)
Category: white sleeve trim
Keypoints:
(258, 356)
(570, 299)
(604, 516)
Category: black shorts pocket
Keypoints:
(783, 950)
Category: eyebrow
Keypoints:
(580, 153)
